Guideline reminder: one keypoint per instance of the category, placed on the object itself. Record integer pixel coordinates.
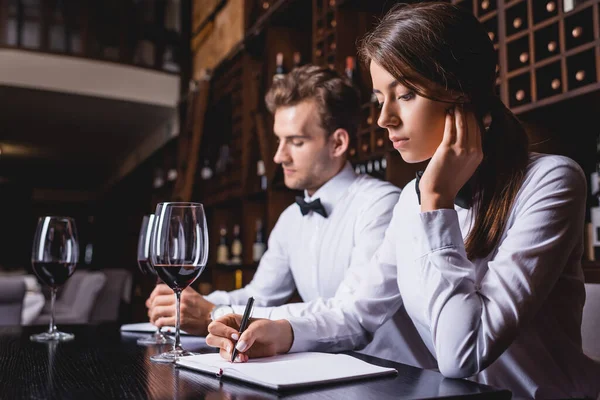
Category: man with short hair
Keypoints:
(320, 244)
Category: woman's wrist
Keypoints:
(434, 201)
(285, 338)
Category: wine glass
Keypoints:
(54, 257)
(178, 254)
(143, 259)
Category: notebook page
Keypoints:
(289, 370)
(148, 327)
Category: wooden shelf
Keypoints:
(517, 36)
(555, 99)
(224, 196)
(77, 21)
(489, 16)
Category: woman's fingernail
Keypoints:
(228, 349)
(237, 358)
(235, 336)
(241, 345)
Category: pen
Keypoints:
(244, 324)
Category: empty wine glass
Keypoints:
(54, 257)
(143, 259)
(178, 254)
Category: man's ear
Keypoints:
(340, 140)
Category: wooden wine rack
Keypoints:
(547, 55)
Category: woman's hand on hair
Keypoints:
(454, 162)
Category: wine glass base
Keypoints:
(52, 337)
(171, 356)
(155, 338)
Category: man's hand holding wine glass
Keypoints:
(194, 312)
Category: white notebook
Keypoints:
(288, 370)
(148, 327)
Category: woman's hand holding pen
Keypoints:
(262, 337)
(454, 162)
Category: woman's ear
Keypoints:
(340, 140)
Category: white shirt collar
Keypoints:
(334, 188)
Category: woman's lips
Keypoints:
(399, 142)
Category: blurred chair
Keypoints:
(114, 297)
(590, 325)
(12, 292)
(78, 297)
(34, 300)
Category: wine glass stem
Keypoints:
(177, 345)
(159, 329)
(52, 327)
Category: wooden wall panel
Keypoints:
(225, 32)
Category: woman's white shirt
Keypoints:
(510, 320)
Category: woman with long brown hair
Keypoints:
(484, 249)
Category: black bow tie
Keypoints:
(315, 206)
(464, 197)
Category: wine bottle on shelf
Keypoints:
(239, 278)
(594, 225)
(236, 247)
(159, 179)
(517, 22)
(224, 159)
(261, 172)
(259, 247)
(172, 175)
(222, 249)
(279, 69)
(350, 69)
(568, 5)
(206, 172)
(297, 59)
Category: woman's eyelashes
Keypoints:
(405, 97)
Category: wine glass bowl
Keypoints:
(145, 266)
(54, 257)
(178, 254)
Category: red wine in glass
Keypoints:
(178, 277)
(53, 274)
(54, 256)
(178, 254)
